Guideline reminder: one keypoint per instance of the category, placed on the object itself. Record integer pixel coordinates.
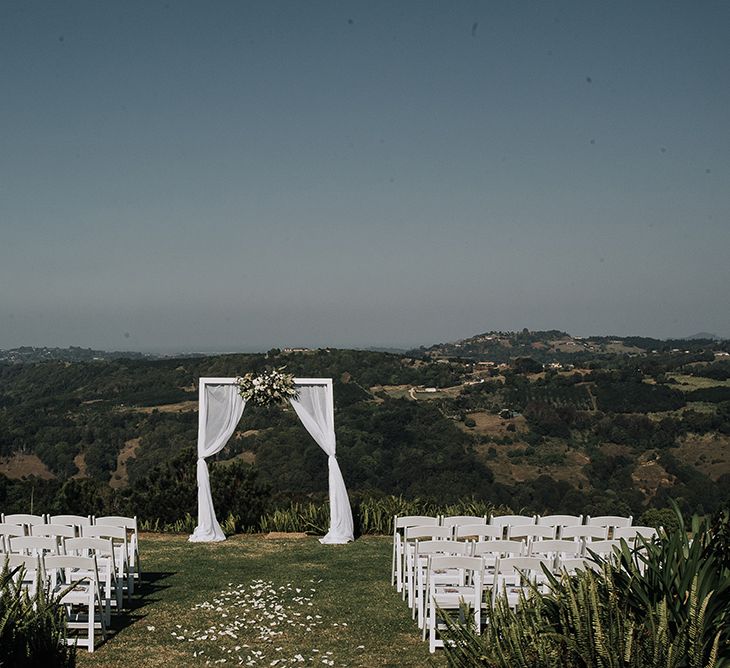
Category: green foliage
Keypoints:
(371, 515)
(660, 518)
(32, 629)
(386, 446)
(637, 397)
(713, 395)
(298, 517)
(716, 371)
(664, 605)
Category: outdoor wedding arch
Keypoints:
(220, 409)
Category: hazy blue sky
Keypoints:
(238, 175)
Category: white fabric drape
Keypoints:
(219, 415)
(314, 408)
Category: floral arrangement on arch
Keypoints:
(270, 388)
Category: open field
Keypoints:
(255, 601)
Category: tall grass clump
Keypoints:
(32, 628)
(298, 517)
(664, 605)
(371, 515)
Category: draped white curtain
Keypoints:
(314, 408)
(221, 408)
(219, 415)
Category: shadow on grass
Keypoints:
(146, 593)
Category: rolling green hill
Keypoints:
(511, 418)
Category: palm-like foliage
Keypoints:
(32, 628)
(665, 604)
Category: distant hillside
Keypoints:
(30, 354)
(556, 346)
(535, 420)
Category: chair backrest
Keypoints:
(12, 530)
(117, 521)
(442, 563)
(76, 521)
(428, 547)
(458, 520)
(630, 534)
(507, 521)
(530, 531)
(478, 531)
(512, 575)
(508, 565)
(28, 566)
(584, 532)
(101, 531)
(411, 533)
(24, 520)
(611, 522)
(55, 530)
(511, 520)
(84, 547)
(555, 549)
(34, 545)
(603, 548)
(414, 521)
(72, 568)
(8, 530)
(559, 520)
(499, 548)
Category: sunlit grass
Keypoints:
(259, 602)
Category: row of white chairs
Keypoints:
(525, 527)
(76, 526)
(84, 580)
(455, 581)
(515, 542)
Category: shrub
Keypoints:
(32, 629)
(667, 604)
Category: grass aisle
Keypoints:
(254, 601)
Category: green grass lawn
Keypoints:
(254, 601)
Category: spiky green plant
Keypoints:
(32, 628)
(664, 604)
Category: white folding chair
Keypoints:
(584, 535)
(34, 545)
(103, 550)
(75, 521)
(606, 549)
(518, 576)
(478, 532)
(611, 522)
(559, 521)
(506, 521)
(630, 534)
(446, 597)
(76, 581)
(130, 524)
(6, 532)
(555, 550)
(492, 550)
(57, 531)
(423, 550)
(399, 527)
(26, 570)
(118, 536)
(23, 519)
(410, 536)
